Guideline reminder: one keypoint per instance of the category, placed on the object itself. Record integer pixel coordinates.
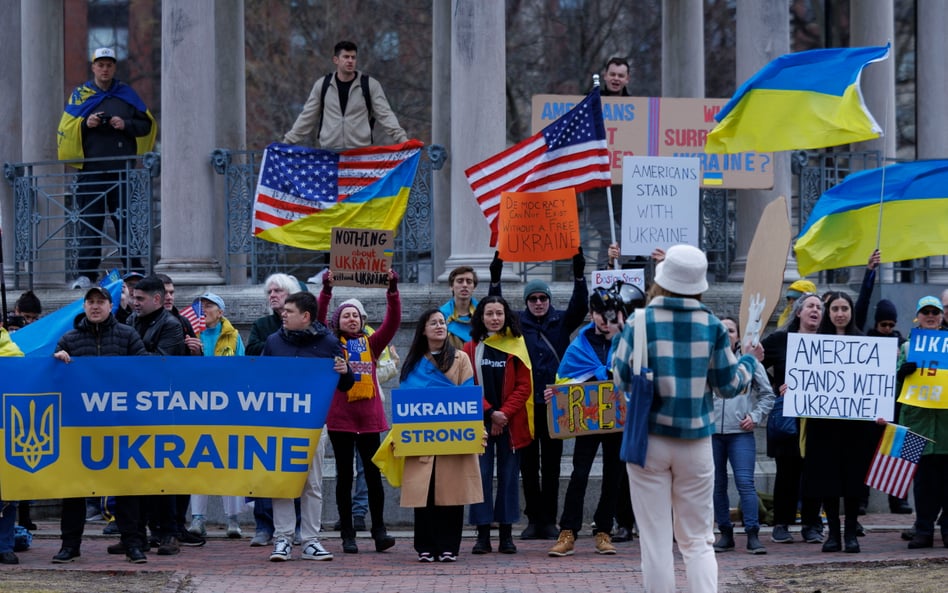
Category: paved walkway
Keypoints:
(232, 566)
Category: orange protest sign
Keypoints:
(538, 226)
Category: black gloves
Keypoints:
(579, 264)
(393, 282)
(905, 370)
(496, 268)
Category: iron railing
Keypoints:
(68, 221)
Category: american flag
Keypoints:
(195, 316)
(570, 152)
(296, 181)
(896, 460)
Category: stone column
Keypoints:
(931, 82)
(10, 136)
(231, 111)
(478, 131)
(682, 48)
(873, 23)
(189, 207)
(441, 133)
(42, 99)
(763, 33)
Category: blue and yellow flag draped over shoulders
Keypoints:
(581, 362)
(843, 227)
(802, 100)
(516, 346)
(82, 102)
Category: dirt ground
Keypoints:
(74, 581)
(915, 576)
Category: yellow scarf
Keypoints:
(359, 356)
(516, 346)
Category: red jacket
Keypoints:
(517, 381)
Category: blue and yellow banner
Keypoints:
(579, 409)
(925, 388)
(243, 426)
(438, 420)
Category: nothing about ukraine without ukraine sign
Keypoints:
(243, 426)
(438, 421)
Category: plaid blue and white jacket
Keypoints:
(690, 356)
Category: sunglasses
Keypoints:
(886, 324)
(538, 298)
(929, 311)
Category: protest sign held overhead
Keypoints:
(659, 204)
(833, 376)
(361, 257)
(541, 226)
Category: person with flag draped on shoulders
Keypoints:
(503, 369)
(459, 310)
(438, 486)
(7, 514)
(930, 488)
(103, 117)
(589, 358)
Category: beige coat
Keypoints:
(458, 477)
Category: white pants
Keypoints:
(232, 505)
(311, 502)
(674, 491)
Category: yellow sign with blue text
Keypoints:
(438, 421)
(242, 426)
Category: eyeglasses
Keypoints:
(538, 298)
(886, 324)
(436, 323)
(929, 311)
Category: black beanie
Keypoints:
(885, 311)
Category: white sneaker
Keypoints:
(81, 282)
(282, 550)
(233, 529)
(197, 526)
(315, 551)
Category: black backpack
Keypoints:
(364, 82)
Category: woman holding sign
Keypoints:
(784, 447)
(356, 418)
(838, 451)
(438, 486)
(502, 367)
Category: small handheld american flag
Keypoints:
(896, 460)
(195, 316)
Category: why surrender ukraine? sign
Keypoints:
(244, 426)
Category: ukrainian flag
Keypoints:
(802, 100)
(843, 227)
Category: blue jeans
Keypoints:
(505, 508)
(740, 449)
(8, 525)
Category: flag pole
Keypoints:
(612, 224)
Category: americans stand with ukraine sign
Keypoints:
(244, 426)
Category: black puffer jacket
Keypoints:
(161, 332)
(109, 338)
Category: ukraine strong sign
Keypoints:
(244, 426)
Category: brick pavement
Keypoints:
(232, 566)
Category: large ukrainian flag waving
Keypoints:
(82, 102)
(809, 99)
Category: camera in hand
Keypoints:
(104, 117)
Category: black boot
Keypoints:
(832, 542)
(725, 542)
(349, 545)
(850, 539)
(482, 545)
(899, 506)
(506, 545)
(383, 540)
(753, 542)
(23, 510)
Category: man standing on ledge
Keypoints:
(104, 117)
(343, 107)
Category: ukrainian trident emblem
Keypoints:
(32, 430)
